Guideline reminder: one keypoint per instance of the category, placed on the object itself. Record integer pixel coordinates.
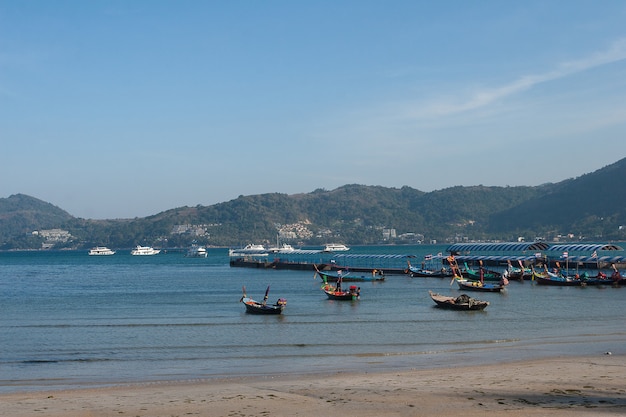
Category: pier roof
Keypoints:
(496, 258)
(498, 247)
(588, 247)
(364, 256)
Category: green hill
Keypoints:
(593, 206)
(20, 215)
(588, 207)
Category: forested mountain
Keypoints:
(590, 207)
(593, 205)
(20, 215)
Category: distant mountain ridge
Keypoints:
(20, 212)
(591, 207)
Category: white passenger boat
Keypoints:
(335, 247)
(197, 252)
(251, 249)
(283, 248)
(101, 250)
(144, 250)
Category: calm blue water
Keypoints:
(69, 319)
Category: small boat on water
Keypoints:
(255, 307)
(462, 302)
(328, 276)
(335, 247)
(144, 251)
(101, 251)
(338, 293)
(555, 278)
(486, 274)
(196, 251)
(520, 273)
(427, 271)
(471, 285)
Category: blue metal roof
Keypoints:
(583, 247)
(363, 256)
(496, 258)
(299, 252)
(601, 259)
(498, 247)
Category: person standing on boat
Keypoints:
(339, 279)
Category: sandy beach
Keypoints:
(551, 387)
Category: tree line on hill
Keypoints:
(591, 207)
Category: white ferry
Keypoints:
(144, 250)
(197, 252)
(284, 248)
(101, 250)
(251, 249)
(335, 247)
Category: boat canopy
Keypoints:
(497, 247)
(583, 247)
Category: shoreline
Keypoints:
(557, 386)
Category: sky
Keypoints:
(123, 109)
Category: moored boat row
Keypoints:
(557, 278)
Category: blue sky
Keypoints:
(118, 109)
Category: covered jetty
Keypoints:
(586, 256)
(499, 254)
(304, 259)
(388, 264)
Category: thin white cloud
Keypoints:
(487, 96)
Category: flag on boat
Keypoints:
(594, 254)
(565, 254)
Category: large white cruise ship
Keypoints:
(144, 250)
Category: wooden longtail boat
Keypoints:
(255, 307)
(328, 276)
(337, 293)
(462, 302)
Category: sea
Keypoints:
(69, 320)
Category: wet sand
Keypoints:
(550, 387)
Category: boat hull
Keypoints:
(557, 281)
(341, 296)
(332, 293)
(254, 307)
(350, 278)
(427, 273)
(461, 303)
(478, 286)
(547, 278)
